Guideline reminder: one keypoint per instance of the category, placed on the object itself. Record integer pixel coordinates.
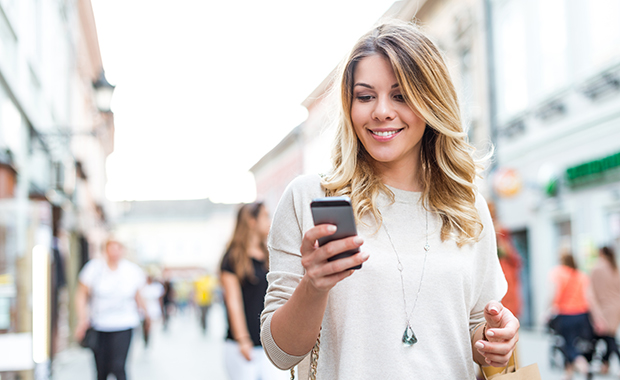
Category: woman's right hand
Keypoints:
(245, 347)
(322, 274)
(80, 330)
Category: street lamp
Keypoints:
(103, 93)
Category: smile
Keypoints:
(385, 135)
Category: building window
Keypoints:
(511, 58)
(553, 45)
(604, 32)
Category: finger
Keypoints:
(338, 246)
(493, 313)
(509, 331)
(333, 267)
(330, 281)
(313, 234)
(495, 349)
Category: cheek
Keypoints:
(357, 118)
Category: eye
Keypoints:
(364, 98)
(399, 98)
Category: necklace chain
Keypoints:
(427, 248)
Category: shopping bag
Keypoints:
(513, 371)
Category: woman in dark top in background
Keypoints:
(243, 275)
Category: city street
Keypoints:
(183, 352)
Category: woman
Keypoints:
(570, 304)
(422, 304)
(152, 293)
(112, 285)
(604, 297)
(243, 277)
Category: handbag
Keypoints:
(91, 339)
(513, 372)
(314, 358)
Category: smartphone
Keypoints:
(336, 211)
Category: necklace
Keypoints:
(409, 337)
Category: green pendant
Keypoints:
(409, 338)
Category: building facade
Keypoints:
(175, 236)
(558, 131)
(53, 142)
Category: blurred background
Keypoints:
(152, 120)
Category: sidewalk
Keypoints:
(183, 352)
(534, 347)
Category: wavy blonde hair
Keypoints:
(448, 169)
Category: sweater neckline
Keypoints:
(403, 196)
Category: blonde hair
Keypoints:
(448, 169)
(237, 249)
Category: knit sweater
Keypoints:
(365, 317)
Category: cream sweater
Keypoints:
(365, 318)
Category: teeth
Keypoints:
(384, 134)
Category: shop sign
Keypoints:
(593, 170)
(507, 182)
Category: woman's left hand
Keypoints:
(502, 333)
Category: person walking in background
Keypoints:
(571, 307)
(153, 294)
(204, 288)
(424, 305)
(243, 273)
(108, 300)
(168, 302)
(604, 297)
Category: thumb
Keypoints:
(492, 314)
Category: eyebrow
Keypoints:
(362, 84)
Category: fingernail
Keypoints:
(490, 333)
(494, 309)
(331, 228)
(358, 240)
(479, 345)
(364, 255)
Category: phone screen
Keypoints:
(336, 211)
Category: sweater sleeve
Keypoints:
(290, 221)
(490, 284)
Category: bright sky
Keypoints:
(205, 88)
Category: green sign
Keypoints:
(593, 170)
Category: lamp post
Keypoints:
(103, 93)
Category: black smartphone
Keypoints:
(336, 211)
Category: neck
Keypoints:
(254, 247)
(403, 177)
(112, 264)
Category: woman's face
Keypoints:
(114, 251)
(389, 130)
(263, 222)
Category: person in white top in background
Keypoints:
(108, 300)
(153, 295)
(422, 305)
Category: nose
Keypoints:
(384, 109)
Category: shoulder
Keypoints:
(133, 269)
(91, 267)
(308, 184)
(298, 194)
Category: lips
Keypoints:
(384, 135)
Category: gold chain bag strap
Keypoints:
(314, 358)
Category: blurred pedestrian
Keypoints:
(204, 288)
(243, 277)
(430, 270)
(168, 301)
(571, 307)
(108, 300)
(153, 294)
(605, 302)
(511, 263)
